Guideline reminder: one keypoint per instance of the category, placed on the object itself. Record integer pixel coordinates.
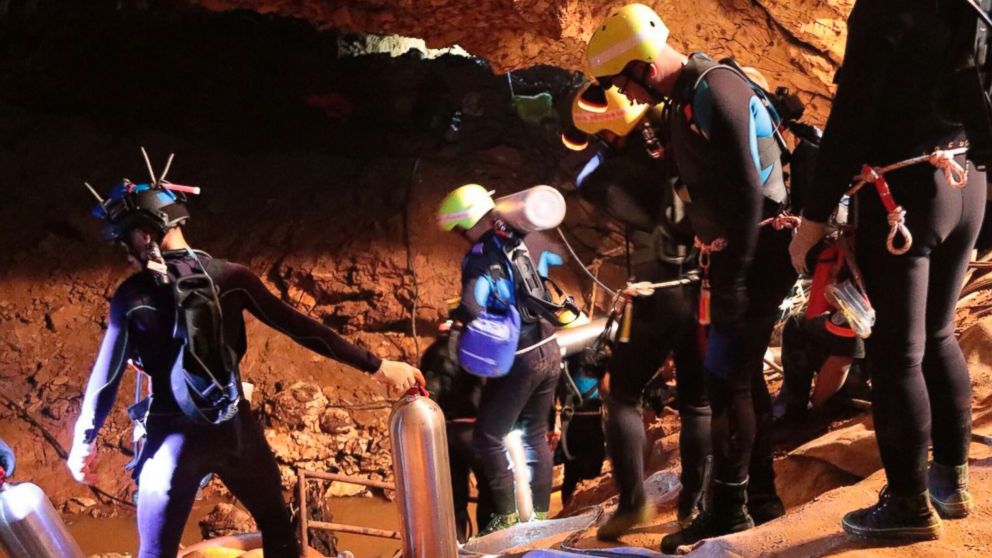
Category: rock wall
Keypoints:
(798, 43)
(321, 175)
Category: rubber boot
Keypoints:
(622, 521)
(895, 517)
(763, 503)
(695, 485)
(498, 522)
(728, 514)
(949, 490)
(625, 445)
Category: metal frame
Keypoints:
(306, 523)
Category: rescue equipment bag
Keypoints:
(487, 345)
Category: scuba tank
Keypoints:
(419, 439)
(29, 525)
(535, 209)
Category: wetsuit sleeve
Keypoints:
(475, 290)
(739, 203)
(105, 378)
(874, 31)
(297, 326)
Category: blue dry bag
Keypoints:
(488, 344)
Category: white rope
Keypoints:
(897, 227)
(937, 158)
(645, 288)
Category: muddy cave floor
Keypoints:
(826, 467)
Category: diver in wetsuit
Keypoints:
(624, 181)
(892, 103)
(721, 141)
(178, 452)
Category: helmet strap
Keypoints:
(150, 258)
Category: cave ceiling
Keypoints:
(797, 43)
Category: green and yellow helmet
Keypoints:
(464, 207)
(634, 32)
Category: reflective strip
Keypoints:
(618, 49)
(456, 216)
(536, 345)
(618, 114)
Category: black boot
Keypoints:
(895, 517)
(695, 485)
(949, 490)
(763, 502)
(728, 514)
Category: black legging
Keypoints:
(523, 398)
(178, 454)
(741, 404)
(661, 323)
(920, 384)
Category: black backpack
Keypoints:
(205, 378)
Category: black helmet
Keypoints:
(157, 206)
(141, 205)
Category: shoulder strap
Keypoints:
(215, 267)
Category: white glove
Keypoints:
(80, 457)
(807, 235)
(400, 375)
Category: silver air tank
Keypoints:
(423, 478)
(573, 340)
(29, 525)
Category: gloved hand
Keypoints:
(7, 460)
(80, 458)
(400, 375)
(807, 236)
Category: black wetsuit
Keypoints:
(524, 397)
(178, 453)
(748, 279)
(885, 111)
(626, 187)
(458, 393)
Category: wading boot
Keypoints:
(498, 522)
(949, 490)
(695, 486)
(622, 521)
(727, 514)
(895, 517)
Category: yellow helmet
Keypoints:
(620, 117)
(464, 207)
(634, 32)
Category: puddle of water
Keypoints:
(120, 534)
(367, 512)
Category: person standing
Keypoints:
(722, 140)
(894, 101)
(493, 274)
(179, 450)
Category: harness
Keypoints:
(532, 290)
